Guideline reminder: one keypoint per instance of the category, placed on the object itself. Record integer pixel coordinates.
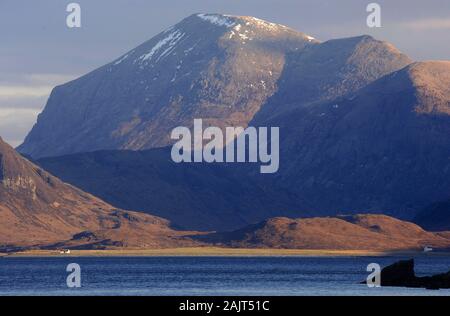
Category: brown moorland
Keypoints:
(37, 209)
(356, 232)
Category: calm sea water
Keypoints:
(206, 276)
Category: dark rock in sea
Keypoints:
(402, 273)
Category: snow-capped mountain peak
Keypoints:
(220, 68)
(217, 19)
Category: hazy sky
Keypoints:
(38, 51)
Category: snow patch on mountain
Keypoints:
(121, 59)
(170, 41)
(263, 24)
(190, 49)
(243, 36)
(239, 31)
(216, 19)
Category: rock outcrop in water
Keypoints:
(402, 274)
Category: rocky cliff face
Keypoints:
(38, 210)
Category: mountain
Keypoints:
(358, 232)
(384, 147)
(223, 69)
(39, 210)
(220, 68)
(435, 217)
(381, 149)
(192, 196)
(330, 70)
(362, 128)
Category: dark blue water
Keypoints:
(206, 276)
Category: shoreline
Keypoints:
(213, 252)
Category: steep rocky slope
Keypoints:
(385, 147)
(37, 209)
(330, 70)
(220, 68)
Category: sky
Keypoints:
(38, 51)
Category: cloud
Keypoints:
(22, 97)
(16, 123)
(24, 91)
(427, 24)
(23, 102)
(35, 79)
(19, 89)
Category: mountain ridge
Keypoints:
(196, 68)
(219, 68)
(361, 148)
